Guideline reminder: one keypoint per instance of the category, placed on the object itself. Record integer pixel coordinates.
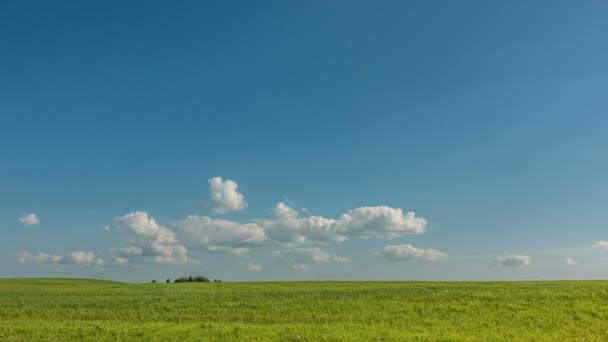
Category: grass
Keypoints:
(89, 310)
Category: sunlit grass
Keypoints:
(67, 309)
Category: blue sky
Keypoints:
(327, 123)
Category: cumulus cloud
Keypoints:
(601, 245)
(251, 266)
(29, 220)
(382, 221)
(214, 235)
(512, 261)
(409, 252)
(224, 197)
(300, 258)
(570, 261)
(79, 258)
(148, 239)
(74, 258)
(285, 224)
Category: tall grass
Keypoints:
(60, 310)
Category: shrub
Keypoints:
(201, 279)
(153, 281)
(168, 281)
(181, 280)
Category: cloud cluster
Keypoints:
(290, 232)
(409, 252)
(301, 258)
(284, 224)
(224, 197)
(29, 220)
(512, 261)
(147, 239)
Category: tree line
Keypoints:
(190, 279)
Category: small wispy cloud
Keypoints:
(300, 258)
(409, 252)
(74, 258)
(512, 261)
(29, 220)
(570, 261)
(251, 266)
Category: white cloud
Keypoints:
(570, 261)
(224, 197)
(601, 245)
(156, 242)
(251, 266)
(121, 261)
(300, 267)
(300, 258)
(512, 260)
(382, 221)
(79, 258)
(283, 211)
(202, 232)
(409, 252)
(29, 220)
(284, 224)
(74, 258)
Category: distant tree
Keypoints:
(190, 279)
(201, 279)
(181, 280)
(153, 281)
(168, 281)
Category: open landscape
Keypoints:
(75, 309)
(303, 170)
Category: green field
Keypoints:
(67, 309)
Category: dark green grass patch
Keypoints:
(87, 310)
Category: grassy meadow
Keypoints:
(90, 310)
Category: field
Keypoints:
(68, 309)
